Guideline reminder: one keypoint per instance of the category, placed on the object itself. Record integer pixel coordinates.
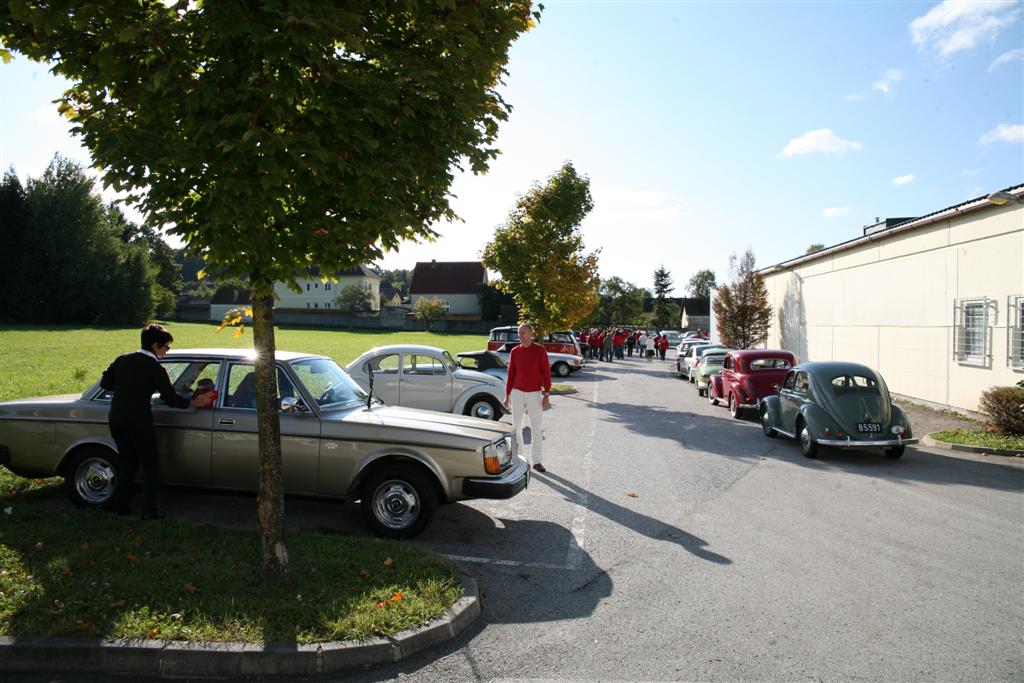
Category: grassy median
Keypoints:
(980, 437)
(72, 572)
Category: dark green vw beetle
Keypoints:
(836, 404)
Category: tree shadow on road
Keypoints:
(631, 519)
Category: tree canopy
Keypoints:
(539, 253)
(622, 303)
(741, 309)
(701, 283)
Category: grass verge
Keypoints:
(563, 389)
(71, 572)
(978, 437)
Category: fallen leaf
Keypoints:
(177, 616)
(38, 482)
(397, 597)
(388, 562)
(153, 632)
(189, 587)
(131, 558)
(362, 573)
(378, 605)
(632, 495)
(83, 625)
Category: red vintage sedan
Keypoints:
(749, 376)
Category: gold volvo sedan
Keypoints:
(336, 441)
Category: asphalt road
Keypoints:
(737, 559)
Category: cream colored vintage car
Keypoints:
(336, 441)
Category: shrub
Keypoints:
(1004, 407)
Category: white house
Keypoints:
(456, 283)
(936, 303)
(317, 293)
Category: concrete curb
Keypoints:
(179, 659)
(927, 440)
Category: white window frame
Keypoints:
(1015, 331)
(973, 346)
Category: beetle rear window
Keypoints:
(854, 382)
(770, 364)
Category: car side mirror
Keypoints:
(290, 404)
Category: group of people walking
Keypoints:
(607, 344)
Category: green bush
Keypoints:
(1004, 407)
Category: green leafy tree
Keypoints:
(491, 301)
(15, 217)
(429, 309)
(540, 257)
(741, 308)
(278, 136)
(701, 283)
(397, 278)
(355, 298)
(622, 303)
(662, 288)
(812, 248)
(166, 283)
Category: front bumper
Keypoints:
(514, 480)
(856, 443)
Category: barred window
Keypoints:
(972, 342)
(1015, 332)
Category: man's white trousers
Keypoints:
(528, 404)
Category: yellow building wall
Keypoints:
(889, 304)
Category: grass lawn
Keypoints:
(71, 572)
(42, 361)
(978, 437)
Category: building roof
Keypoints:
(361, 271)
(229, 295)
(447, 277)
(390, 293)
(969, 206)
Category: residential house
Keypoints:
(227, 298)
(318, 293)
(390, 296)
(456, 283)
(697, 310)
(936, 303)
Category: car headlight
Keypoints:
(498, 455)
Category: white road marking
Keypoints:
(505, 563)
(574, 554)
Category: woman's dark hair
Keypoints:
(154, 334)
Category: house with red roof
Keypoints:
(456, 283)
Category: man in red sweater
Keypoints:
(527, 389)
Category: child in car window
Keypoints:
(205, 386)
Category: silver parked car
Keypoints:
(427, 377)
(336, 441)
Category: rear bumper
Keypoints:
(853, 443)
(507, 485)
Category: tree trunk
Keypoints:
(270, 501)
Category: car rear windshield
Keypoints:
(855, 383)
(770, 364)
(714, 359)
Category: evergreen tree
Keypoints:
(14, 224)
(662, 288)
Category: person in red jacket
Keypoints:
(527, 389)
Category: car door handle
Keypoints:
(226, 421)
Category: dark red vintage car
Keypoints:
(749, 376)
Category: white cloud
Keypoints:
(1004, 132)
(822, 141)
(956, 25)
(1005, 58)
(900, 181)
(835, 211)
(971, 172)
(854, 96)
(889, 78)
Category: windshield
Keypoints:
(327, 383)
(449, 361)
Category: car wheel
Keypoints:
(712, 399)
(808, 446)
(94, 478)
(766, 423)
(895, 453)
(734, 406)
(398, 501)
(701, 392)
(484, 407)
(561, 369)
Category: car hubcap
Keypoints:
(482, 409)
(95, 481)
(805, 438)
(396, 504)
(766, 421)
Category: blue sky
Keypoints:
(707, 128)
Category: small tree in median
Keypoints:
(539, 254)
(278, 136)
(429, 309)
(741, 309)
